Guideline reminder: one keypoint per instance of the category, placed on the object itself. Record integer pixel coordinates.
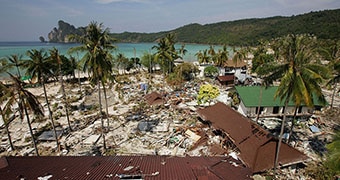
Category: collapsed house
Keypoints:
(255, 146)
(122, 167)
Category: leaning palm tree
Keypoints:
(299, 73)
(38, 67)
(6, 100)
(27, 101)
(97, 45)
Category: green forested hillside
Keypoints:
(323, 24)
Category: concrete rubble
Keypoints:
(134, 127)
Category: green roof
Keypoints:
(250, 96)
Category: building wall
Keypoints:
(268, 111)
(243, 109)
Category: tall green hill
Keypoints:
(323, 24)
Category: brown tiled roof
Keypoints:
(153, 98)
(111, 167)
(256, 145)
(231, 63)
(226, 78)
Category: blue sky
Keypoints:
(26, 20)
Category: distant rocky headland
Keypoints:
(323, 24)
(59, 35)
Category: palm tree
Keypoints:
(147, 60)
(7, 96)
(27, 101)
(55, 56)
(261, 57)
(222, 57)
(212, 52)
(38, 67)
(107, 77)
(299, 74)
(97, 61)
(203, 57)
(330, 51)
(121, 62)
(76, 66)
(335, 79)
(182, 51)
(15, 60)
(166, 53)
(239, 55)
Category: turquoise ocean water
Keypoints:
(128, 49)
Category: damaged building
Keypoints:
(254, 146)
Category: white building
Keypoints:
(251, 99)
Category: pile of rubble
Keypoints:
(134, 127)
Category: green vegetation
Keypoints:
(210, 71)
(299, 73)
(322, 24)
(207, 93)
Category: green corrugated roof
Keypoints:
(250, 96)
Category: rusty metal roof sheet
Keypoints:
(154, 98)
(226, 78)
(257, 146)
(114, 167)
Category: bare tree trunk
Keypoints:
(333, 94)
(293, 123)
(101, 115)
(280, 136)
(31, 132)
(64, 99)
(79, 83)
(9, 137)
(106, 106)
(50, 115)
(259, 106)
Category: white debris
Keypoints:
(45, 177)
(128, 168)
(233, 155)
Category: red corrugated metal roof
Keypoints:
(111, 167)
(256, 145)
